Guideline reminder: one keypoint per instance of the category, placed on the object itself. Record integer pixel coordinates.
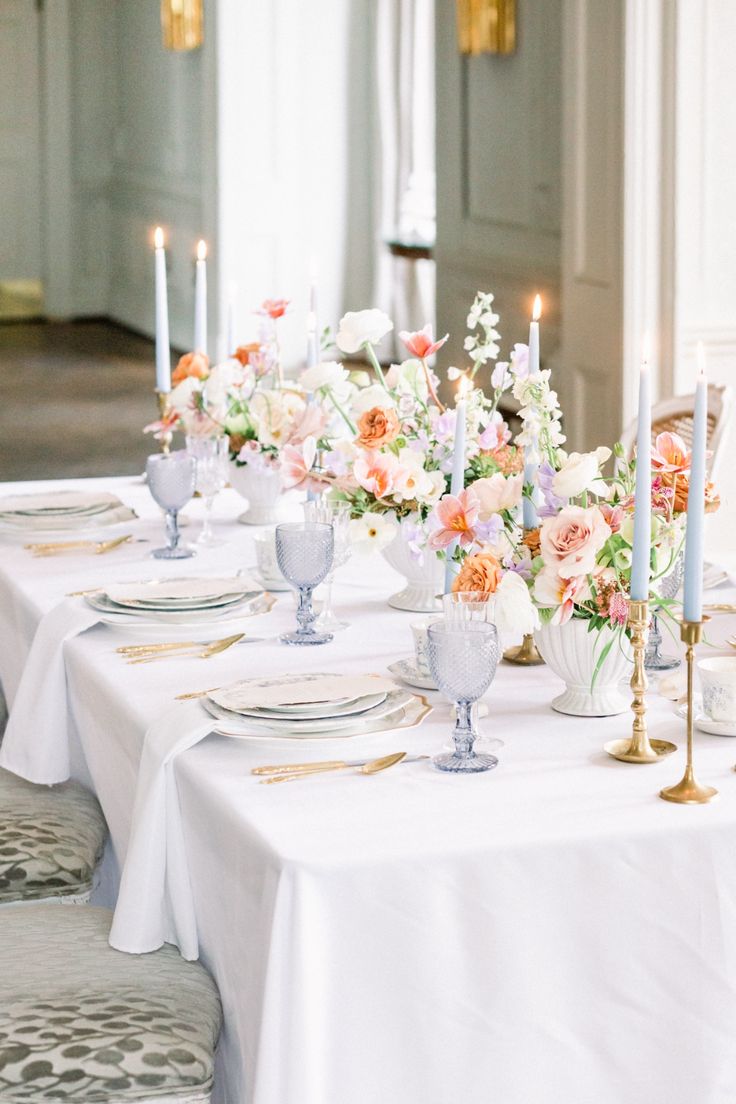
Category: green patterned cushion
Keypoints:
(51, 839)
(81, 1022)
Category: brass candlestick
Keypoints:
(688, 790)
(639, 748)
(524, 654)
(163, 409)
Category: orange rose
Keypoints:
(191, 364)
(681, 483)
(480, 572)
(532, 540)
(243, 353)
(509, 459)
(378, 426)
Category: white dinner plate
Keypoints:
(180, 589)
(319, 712)
(407, 716)
(114, 615)
(703, 722)
(407, 671)
(181, 606)
(324, 726)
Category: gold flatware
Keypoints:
(732, 641)
(372, 766)
(720, 607)
(196, 694)
(97, 548)
(215, 648)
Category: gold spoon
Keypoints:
(374, 767)
(211, 650)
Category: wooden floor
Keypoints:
(74, 398)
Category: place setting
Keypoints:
(52, 514)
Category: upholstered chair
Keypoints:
(81, 1022)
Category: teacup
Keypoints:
(266, 557)
(419, 632)
(718, 683)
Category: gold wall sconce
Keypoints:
(486, 26)
(182, 24)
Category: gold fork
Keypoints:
(97, 548)
(215, 647)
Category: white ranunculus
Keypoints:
(180, 399)
(222, 380)
(359, 328)
(408, 378)
(580, 472)
(514, 610)
(330, 373)
(372, 532)
(368, 397)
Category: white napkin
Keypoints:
(36, 741)
(180, 588)
(155, 904)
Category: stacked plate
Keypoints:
(184, 601)
(313, 707)
(61, 512)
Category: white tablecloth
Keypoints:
(548, 932)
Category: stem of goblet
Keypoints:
(172, 529)
(655, 638)
(327, 604)
(207, 526)
(463, 734)
(304, 613)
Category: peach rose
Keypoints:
(191, 364)
(532, 541)
(572, 539)
(378, 426)
(480, 572)
(243, 353)
(681, 484)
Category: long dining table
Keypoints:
(549, 932)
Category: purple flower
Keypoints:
(520, 361)
(415, 539)
(489, 531)
(552, 504)
(444, 427)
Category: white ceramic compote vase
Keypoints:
(573, 653)
(423, 577)
(262, 488)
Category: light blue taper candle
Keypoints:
(692, 609)
(529, 513)
(642, 551)
(457, 481)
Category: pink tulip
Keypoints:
(670, 454)
(420, 343)
(297, 464)
(377, 472)
(456, 516)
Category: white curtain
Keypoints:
(405, 181)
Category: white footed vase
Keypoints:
(262, 489)
(423, 577)
(572, 653)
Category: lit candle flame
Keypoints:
(701, 360)
(158, 238)
(537, 309)
(463, 387)
(201, 250)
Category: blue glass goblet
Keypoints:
(304, 552)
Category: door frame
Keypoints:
(56, 157)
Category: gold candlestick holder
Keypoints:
(688, 790)
(163, 409)
(524, 654)
(639, 748)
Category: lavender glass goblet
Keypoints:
(458, 608)
(171, 478)
(304, 552)
(463, 662)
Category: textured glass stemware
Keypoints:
(211, 455)
(653, 658)
(463, 662)
(459, 607)
(170, 479)
(304, 552)
(336, 514)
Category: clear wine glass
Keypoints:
(463, 663)
(458, 609)
(211, 455)
(171, 478)
(304, 553)
(653, 658)
(336, 514)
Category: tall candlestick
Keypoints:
(457, 480)
(692, 610)
(163, 352)
(642, 549)
(200, 300)
(529, 513)
(231, 322)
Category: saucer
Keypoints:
(703, 722)
(406, 670)
(275, 585)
